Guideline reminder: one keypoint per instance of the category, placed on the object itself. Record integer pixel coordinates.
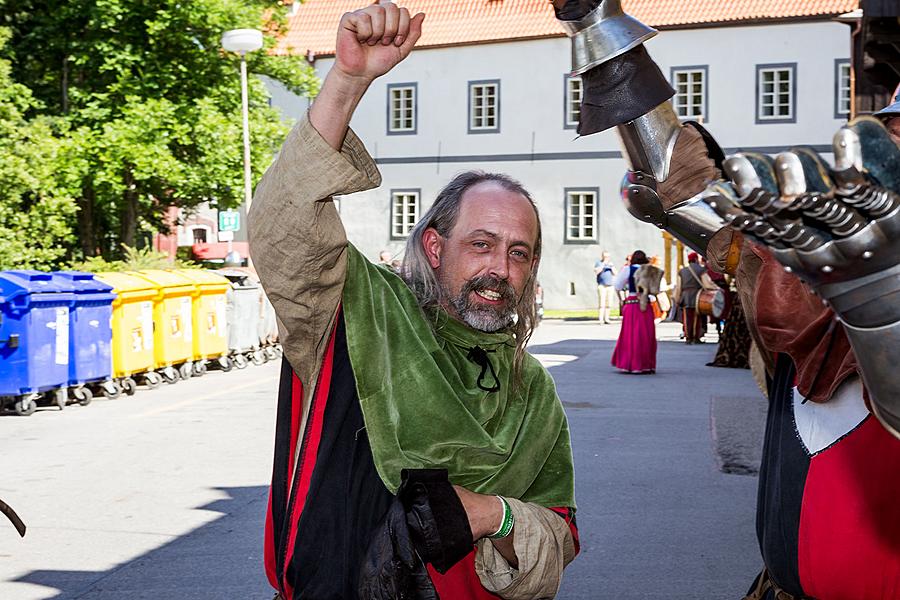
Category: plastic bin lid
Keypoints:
(168, 281)
(125, 282)
(239, 279)
(14, 284)
(204, 278)
(82, 282)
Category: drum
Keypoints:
(711, 303)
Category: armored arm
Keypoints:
(670, 163)
(837, 228)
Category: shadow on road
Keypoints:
(658, 517)
(220, 560)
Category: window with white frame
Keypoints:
(690, 92)
(775, 93)
(573, 101)
(842, 89)
(402, 108)
(404, 212)
(484, 106)
(581, 215)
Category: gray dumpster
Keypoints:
(242, 314)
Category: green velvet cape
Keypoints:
(423, 407)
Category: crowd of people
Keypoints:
(701, 298)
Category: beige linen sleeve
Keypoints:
(544, 546)
(297, 241)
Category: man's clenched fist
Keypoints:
(372, 40)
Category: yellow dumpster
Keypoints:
(173, 339)
(210, 320)
(132, 333)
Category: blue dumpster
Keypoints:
(90, 338)
(34, 338)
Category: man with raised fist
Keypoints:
(420, 451)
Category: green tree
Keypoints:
(38, 178)
(150, 104)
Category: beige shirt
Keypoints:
(299, 248)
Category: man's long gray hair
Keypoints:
(442, 216)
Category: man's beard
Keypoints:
(485, 317)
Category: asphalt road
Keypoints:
(162, 495)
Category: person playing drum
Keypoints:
(692, 281)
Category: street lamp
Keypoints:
(243, 41)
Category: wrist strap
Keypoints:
(507, 523)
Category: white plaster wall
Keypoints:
(531, 122)
(366, 216)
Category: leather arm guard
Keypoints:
(624, 88)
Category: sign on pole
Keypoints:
(229, 220)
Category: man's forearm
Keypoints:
(333, 108)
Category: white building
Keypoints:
(488, 89)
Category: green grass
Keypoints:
(577, 314)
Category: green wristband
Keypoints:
(508, 522)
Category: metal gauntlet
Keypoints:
(838, 229)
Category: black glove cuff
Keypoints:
(575, 10)
(621, 90)
(438, 523)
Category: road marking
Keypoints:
(183, 403)
(554, 360)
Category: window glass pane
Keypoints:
(483, 107)
(688, 100)
(404, 213)
(573, 100)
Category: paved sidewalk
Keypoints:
(162, 496)
(657, 516)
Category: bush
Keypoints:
(135, 260)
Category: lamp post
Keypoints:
(243, 41)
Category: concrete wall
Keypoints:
(534, 146)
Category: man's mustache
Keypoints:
(500, 286)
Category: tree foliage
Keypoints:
(37, 176)
(142, 107)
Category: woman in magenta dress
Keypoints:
(636, 347)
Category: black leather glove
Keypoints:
(438, 523)
(426, 523)
(392, 569)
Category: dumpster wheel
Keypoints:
(152, 380)
(83, 395)
(185, 370)
(240, 361)
(258, 357)
(129, 386)
(61, 398)
(225, 363)
(25, 406)
(170, 375)
(111, 389)
(200, 368)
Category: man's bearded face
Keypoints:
(484, 303)
(485, 263)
